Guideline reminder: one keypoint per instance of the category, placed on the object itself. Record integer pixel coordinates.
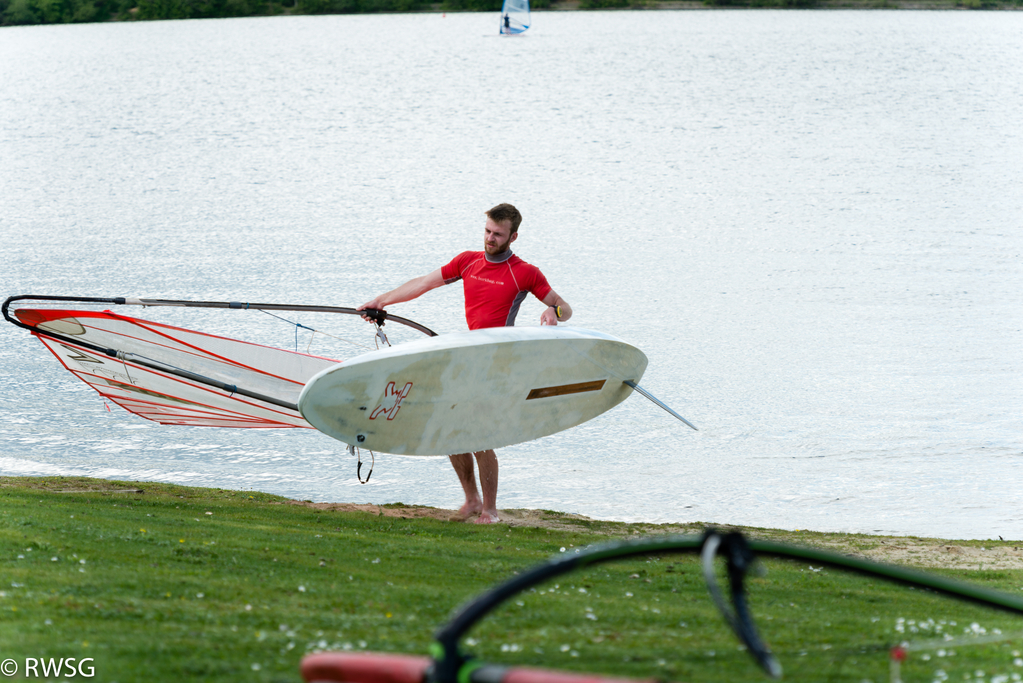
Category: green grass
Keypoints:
(159, 582)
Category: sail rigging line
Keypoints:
(314, 332)
(380, 336)
(194, 348)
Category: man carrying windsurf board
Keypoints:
(495, 282)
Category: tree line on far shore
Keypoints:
(22, 12)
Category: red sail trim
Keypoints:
(178, 416)
(127, 399)
(163, 407)
(144, 324)
(37, 316)
(164, 397)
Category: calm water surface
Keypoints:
(810, 221)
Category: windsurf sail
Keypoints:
(514, 17)
(179, 376)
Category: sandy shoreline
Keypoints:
(902, 550)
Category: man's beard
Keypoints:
(499, 249)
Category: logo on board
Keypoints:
(392, 401)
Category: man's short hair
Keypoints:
(506, 212)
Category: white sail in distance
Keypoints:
(514, 17)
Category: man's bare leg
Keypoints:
(462, 463)
(487, 461)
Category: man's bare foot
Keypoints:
(487, 518)
(469, 509)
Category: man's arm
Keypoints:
(555, 302)
(413, 289)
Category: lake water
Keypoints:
(810, 222)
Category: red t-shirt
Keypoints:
(494, 291)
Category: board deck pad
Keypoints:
(472, 391)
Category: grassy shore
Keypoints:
(159, 582)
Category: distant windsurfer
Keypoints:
(507, 24)
(495, 283)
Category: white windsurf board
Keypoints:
(472, 391)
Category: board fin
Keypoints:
(656, 400)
